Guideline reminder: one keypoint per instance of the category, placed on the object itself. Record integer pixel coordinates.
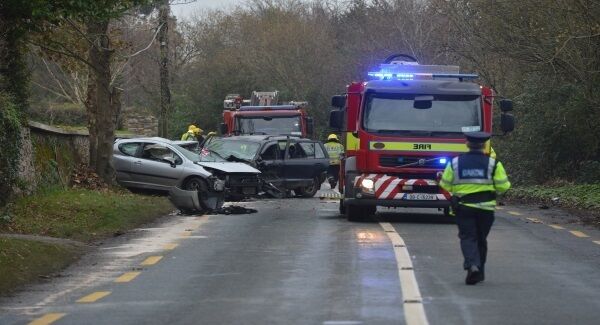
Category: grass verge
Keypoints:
(581, 196)
(22, 261)
(77, 214)
(83, 215)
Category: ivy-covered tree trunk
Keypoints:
(13, 102)
(104, 102)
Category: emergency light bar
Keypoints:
(268, 108)
(419, 72)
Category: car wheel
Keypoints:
(311, 190)
(358, 213)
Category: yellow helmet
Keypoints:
(332, 137)
(191, 127)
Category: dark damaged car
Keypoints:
(196, 182)
(286, 163)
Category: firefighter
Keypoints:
(474, 179)
(189, 135)
(335, 150)
(198, 134)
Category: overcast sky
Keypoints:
(183, 11)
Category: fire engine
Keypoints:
(263, 115)
(401, 127)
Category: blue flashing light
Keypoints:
(382, 75)
(443, 161)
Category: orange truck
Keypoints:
(263, 115)
(401, 127)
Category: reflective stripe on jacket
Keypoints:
(473, 173)
(335, 150)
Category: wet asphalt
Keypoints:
(297, 262)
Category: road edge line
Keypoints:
(414, 312)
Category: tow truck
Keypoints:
(401, 127)
(263, 115)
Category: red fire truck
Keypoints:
(263, 115)
(400, 129)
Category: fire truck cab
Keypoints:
(401, 128)
(262, 115)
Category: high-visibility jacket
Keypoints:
(489, 150)
(475, 172)
(188, 136)
(335, 151)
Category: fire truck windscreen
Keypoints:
(270, 125)
(396, 113)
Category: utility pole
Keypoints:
(165, 91)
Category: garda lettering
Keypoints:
(421, 146)
(472, 173)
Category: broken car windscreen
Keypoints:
(240, 149)
(205, 156)
(396, 113)
(270, 125)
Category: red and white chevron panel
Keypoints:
(390, 187)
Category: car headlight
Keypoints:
(367, 185)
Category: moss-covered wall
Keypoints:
(56, 155)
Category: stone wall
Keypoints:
(56, 152)
(140, 123)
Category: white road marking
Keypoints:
(414, 313)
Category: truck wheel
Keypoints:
(357, 213)
(311, 190)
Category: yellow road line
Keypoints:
(93, 297)
(534, 220)
(414, 313)
(515, 213)
(499, 207)
(151, 260)
(186, 233)
(557, 227)
(47, 319)
(578, 234)
(170, 246)
(127, 277)
(597, 242)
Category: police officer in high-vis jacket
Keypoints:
(474, 179)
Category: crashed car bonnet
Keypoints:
(196, 182)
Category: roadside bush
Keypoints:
(59, 114)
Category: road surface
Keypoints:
(296, 261)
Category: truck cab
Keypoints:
(262, 115)
(401, 128)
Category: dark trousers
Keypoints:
(473, 228)
(334, 171)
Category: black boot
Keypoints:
(473, 275)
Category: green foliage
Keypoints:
(59, 114)
(584, 196)
(10, 138)
(83, 214)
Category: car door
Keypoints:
(123, 159)
(300, 163)
(270, 162)
(151, 170)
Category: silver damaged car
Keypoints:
(195, 182)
